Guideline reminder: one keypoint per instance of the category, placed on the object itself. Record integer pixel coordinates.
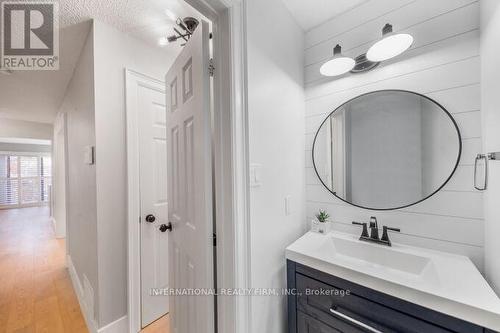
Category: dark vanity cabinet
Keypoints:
(322, 303)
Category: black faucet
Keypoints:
(374, 228)
(385, 236)
(364, 234)
(373, 236)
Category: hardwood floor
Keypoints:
(36, 294)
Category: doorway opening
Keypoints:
(165, 169)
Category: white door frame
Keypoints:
(135, 79)
(231, 159)
(231, 169)
(60, 126)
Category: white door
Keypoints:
(153, 197)
(190, 185)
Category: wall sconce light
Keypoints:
(338, 65)
(390, 46)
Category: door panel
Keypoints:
(153, 180)
(190, 185)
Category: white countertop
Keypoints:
(440, 281)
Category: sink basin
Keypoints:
(444, 282)
(377, 260)
(381, 256)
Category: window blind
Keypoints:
(24, 180)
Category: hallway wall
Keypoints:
(79, 107)
(97, 203)
(114, 51)
(275, 119)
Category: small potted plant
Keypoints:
(322, 222)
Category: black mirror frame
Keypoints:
(391, 90)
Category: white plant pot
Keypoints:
(320, 227)
(324, 227)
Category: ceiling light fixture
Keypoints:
(390, 46)
(338, 65)
(185, 28)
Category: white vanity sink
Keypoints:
(379, 257)
(440, 281)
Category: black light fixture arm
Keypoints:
(387, 29)
(187, 25)
(337, 50)
(181, 35)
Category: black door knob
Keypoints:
(165, 227)
(150, 218)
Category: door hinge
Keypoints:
(211, 67)
(214, 236)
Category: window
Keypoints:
(9, 184)
(24, 180)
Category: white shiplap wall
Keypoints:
(443, 64)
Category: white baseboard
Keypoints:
(77, 285)
(118, 326)
(57, 232)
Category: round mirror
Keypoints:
(387, 149)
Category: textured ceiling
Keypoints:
(311, 13)
(37, 95)
(144, 19)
